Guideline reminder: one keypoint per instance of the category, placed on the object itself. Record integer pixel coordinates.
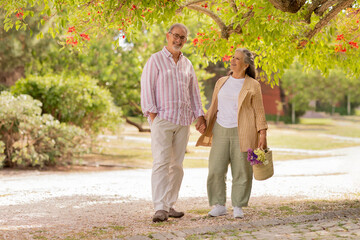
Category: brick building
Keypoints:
(271, 98)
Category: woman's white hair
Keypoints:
(249, 59)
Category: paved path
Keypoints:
(319, 178)
(344, 224)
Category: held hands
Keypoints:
(262, 141)
(201, 124)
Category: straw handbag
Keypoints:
(264, 170)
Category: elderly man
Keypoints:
(170, 98)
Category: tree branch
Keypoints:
(325, 20)
(194, 2)
(136, 106)
(312, 8)
(325, 6)
(121, 4)
(138, 126)
(233, 5)
(239, 28)
(216, 18)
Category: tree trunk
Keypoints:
(138, 126)
(293, 113)
(292, 6)
(348, 105)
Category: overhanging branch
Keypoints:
(239, 28)
(325, 6)
(226, 31)
(311, 8)
(325, 20)
(216, 18)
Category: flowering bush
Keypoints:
(76, 100)
(257, 156)
(28, 138)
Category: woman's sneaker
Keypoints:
(238, 212)
(218, 210)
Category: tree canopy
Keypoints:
(321, 34)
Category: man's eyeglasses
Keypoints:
(177, 37)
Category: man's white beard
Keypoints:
(176, 48)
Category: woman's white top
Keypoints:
(228, 102)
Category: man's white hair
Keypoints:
(180, 25)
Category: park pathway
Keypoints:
(36, 199)
(318, 178)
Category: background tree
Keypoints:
(332, 89)
(17, 49)
(298, 88)
(353, 95)
(304, 85)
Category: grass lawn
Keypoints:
(133, 149)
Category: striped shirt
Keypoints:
(170, 89)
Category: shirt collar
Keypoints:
(169, 54)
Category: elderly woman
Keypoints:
(235, 122)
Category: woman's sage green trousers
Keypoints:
(225, 150)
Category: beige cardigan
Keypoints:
(251, 114)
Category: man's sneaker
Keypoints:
(160, 216)
(174, 214)
(238, 212)
(218, 210)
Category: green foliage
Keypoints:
(326, 107)
(275, 36)
(3, 87)
(76, 100)
(17, 48)
(298, 86)
(32, 139)
(116, 65)
(2, 153)
(285, 119)
(302, 86)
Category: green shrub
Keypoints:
(78, 101)
(2, 155)
(342, 109)
(32, 139)
(3, 87)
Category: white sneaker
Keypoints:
(218, 210)
(238, 212)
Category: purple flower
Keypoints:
(249, 154)
(252, 157)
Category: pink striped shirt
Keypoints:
(171, 90)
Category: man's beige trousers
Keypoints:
(168, 146)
